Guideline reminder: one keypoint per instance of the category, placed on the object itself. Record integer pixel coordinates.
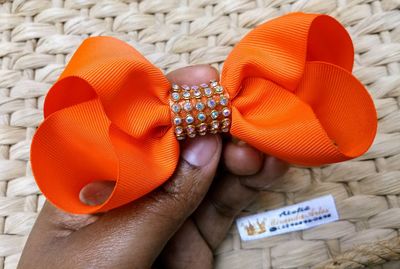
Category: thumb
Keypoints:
(152, 220)
(196, 154)
(195, 172)
(133, 235)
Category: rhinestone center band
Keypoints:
(198, 110)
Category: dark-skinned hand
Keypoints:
(176, 226)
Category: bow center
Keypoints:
(198, 110)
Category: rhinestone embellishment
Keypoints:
(179, 130)
(214, 114)
(177, 121)
(187, 106)
(208, 92)
(196, 91)
(198, 110)
(186, 95)
(200, 106)
(189, 119)
(175, 96)
(223, 100)
(211, 103)
(201, 117)
(219, 89)
(176, 108)
(226, 112)
(202, 128)
(175, 87)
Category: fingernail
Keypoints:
(199, 151)
(96, 193)
(238, 142)
(275, 167)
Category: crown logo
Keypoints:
(255, 228)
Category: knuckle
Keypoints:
(184, 187)
(224, 209)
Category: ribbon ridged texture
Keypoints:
(108, 117)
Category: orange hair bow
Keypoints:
(108, 116)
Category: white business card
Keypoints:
(295, 217)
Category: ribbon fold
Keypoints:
(108, 117)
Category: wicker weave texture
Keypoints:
(38, 37)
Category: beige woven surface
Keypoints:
(38, 37)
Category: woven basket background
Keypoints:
(38, 37)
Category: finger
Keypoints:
(230, 195)
(151, 221)
(180, 254)
(147, 223)
(242, 159)
(210, 223)
(97, 192)
(198, 74)
(51, 225)
(271, 171)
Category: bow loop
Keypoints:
(107, 118)
(127, 85)
(293, 94)
(279, 49)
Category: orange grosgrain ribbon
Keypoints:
(108, 116)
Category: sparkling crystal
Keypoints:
(211, 103)
(176, 108)
(189, 119)
(201, 116)
(226, 112)
(177, 121)
(204, 85)
(178, 130)
(214, 114)
(202, 127)
(175, 87)
(187, 106)
(208, 92)
(195, 87)
(225, 129)
(186, 87)
(213, 83)
(192, 135)
(175, 96)
(223, 100)
(200, 106)
(197, 93)
(219, 89)
(190, 129)
(180, 137)
(186, 94)
(226, 122)
(215, 124)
